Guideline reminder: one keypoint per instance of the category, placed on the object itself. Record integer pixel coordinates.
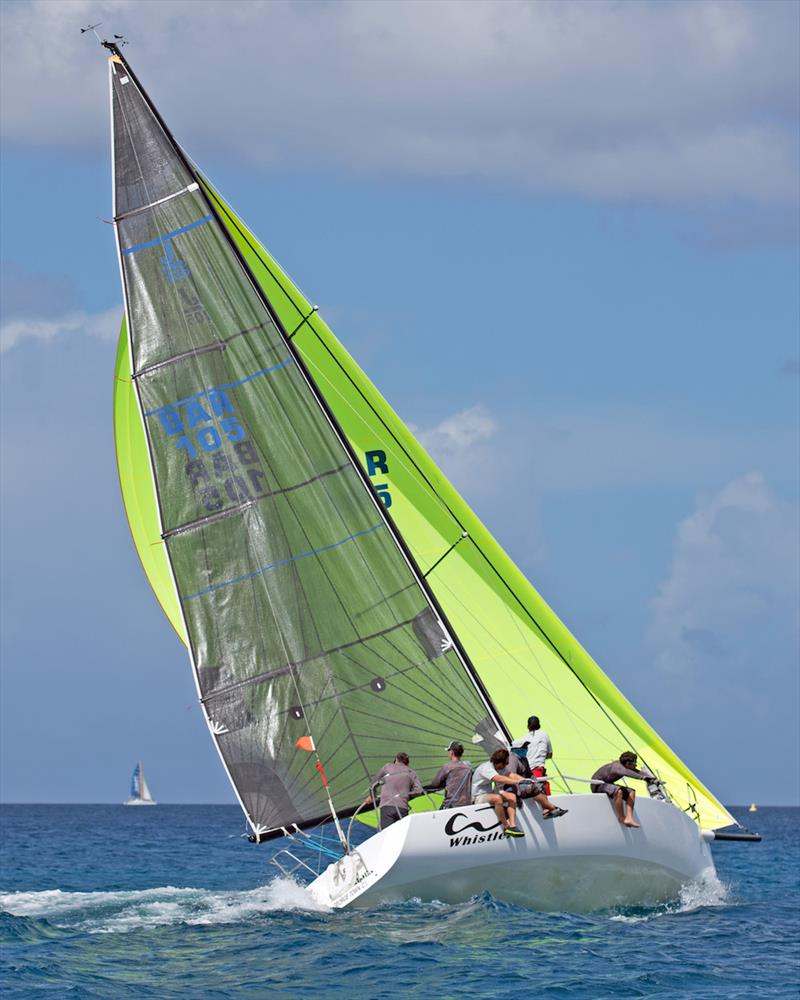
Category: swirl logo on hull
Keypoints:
(456, 827)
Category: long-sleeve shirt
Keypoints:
(611, 773)
(456, 779)
(514, 766)
(400, 783)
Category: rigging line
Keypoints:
(464, 535)
(302, 323)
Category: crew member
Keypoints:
(604, 780)
(455, 777)
(396, 783)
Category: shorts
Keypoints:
(529, 789)
(540, 772)
(484, 797)
(611, 790)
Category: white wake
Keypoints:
(115, 912)
(708, 890)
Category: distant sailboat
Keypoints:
(140, 793)
(753, 807)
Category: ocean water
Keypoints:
(109, 902)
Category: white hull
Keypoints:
(577, 863)
(140, 802)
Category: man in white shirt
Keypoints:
(537, 747)
(505, 803)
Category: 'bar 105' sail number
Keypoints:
(242, 477)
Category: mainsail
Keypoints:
(311, 602)
(136, 790)
(304, 613)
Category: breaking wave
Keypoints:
(707, 891)
(118, 912)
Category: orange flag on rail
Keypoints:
(306, 743)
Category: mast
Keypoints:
(320, 399)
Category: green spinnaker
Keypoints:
(526, 657)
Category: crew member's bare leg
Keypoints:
(500, 810)
(629, 820)
(617, 803)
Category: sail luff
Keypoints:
(380, 508)
(117, 59)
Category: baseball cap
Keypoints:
(455, 746)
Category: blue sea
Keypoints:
(108, 902)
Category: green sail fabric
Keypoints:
(302, 614)
(526, 658)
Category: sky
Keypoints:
(561, 238)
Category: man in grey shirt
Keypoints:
(396, 783)
(604, 780)
(455, 777)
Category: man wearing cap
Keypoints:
(455, 777)
(604, 780)
(396, 783)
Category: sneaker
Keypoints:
(514, 831)
(555, 813)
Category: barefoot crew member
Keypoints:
(604, 779)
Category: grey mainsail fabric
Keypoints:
(302, 614)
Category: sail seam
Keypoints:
(159, 240)
(250, 502)
(219, 388)
(281, 562)
(281, 671)
(217, 345)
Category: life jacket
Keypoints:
(522, 753)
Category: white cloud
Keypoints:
(607, 100)
(729, 606)
(459, 432)
(104, 325)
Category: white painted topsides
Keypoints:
(583, 861)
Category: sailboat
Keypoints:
(140, 793)
(339, 600)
